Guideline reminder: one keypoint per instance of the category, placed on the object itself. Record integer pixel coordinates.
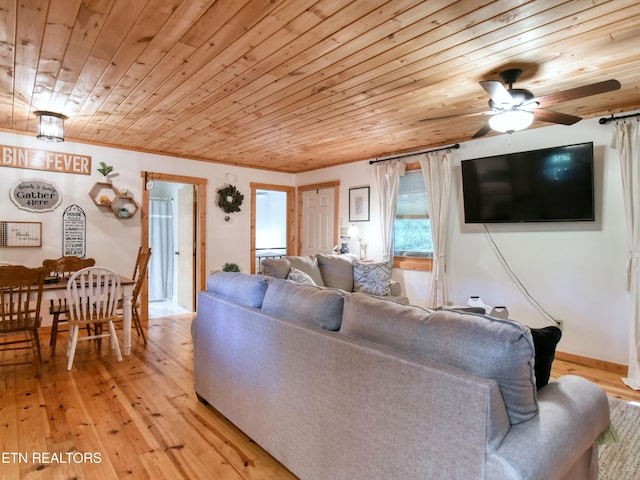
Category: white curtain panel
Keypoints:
(436, 169)
(626, 139)
(161, 243)
(387, 178)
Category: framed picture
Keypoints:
(359, 204)
(20, 234)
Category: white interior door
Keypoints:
(186, 248)
(317, 221)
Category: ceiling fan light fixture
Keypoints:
(50, 126)
(510, 121)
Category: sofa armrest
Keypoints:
(572, 413)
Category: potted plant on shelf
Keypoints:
(105, 170)
(230, 267)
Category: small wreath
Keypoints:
(230, 199)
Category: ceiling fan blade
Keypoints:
(578, 92)
(555, 117)
(497, 92)
(482, 132)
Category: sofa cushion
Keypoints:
(545, 341)
(309, 265)
(299, 277)
(239, 287)
(493, 348)
(372, 278)
(276, 267)
(318, 306)
(337, 271)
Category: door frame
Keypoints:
(201, 230)
(186, 223)
(336, 209)
(291, 206)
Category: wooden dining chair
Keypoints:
(62, 268)
(92, 298)
(139, 273)
(20, 300)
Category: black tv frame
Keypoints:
(558, 203)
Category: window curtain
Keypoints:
(387, 177)
(626, 139)
(161, 243)
(436, 169)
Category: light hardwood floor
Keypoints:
(608, 376)
(140, 418)
(136, 419)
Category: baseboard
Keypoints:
(593, 363)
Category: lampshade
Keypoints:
(353, 231)
(50, 126)
(511, 120)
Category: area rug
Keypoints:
(621, 460)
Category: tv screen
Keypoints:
(548, 185)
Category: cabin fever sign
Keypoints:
(20, 157)
(35, 195)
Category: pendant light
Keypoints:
(50, 126)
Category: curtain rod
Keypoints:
(604, 121)
(456, 146)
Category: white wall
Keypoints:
(576, 271)
(112, 241)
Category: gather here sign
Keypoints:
(31, 158)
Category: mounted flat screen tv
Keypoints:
(548, 185)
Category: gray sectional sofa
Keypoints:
(340, 385)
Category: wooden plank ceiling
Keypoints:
(295, 85)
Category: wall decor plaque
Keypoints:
(20, 234)
(74, 232)
(35, 195)
(31, 158)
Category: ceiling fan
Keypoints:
(514, 109)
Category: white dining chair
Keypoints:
(92, 299)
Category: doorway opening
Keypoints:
(174, 226)
(272, 217)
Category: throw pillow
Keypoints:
(309, 265)
(275, 267)
(544, 342)
(372, 278)
(337, 271)
(299, 277)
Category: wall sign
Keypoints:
(20, 234)
(74, 232)
(20, 157)
(35, 195)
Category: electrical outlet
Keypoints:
(560, 324)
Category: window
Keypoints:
(412, 227)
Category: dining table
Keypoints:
(56, 288)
